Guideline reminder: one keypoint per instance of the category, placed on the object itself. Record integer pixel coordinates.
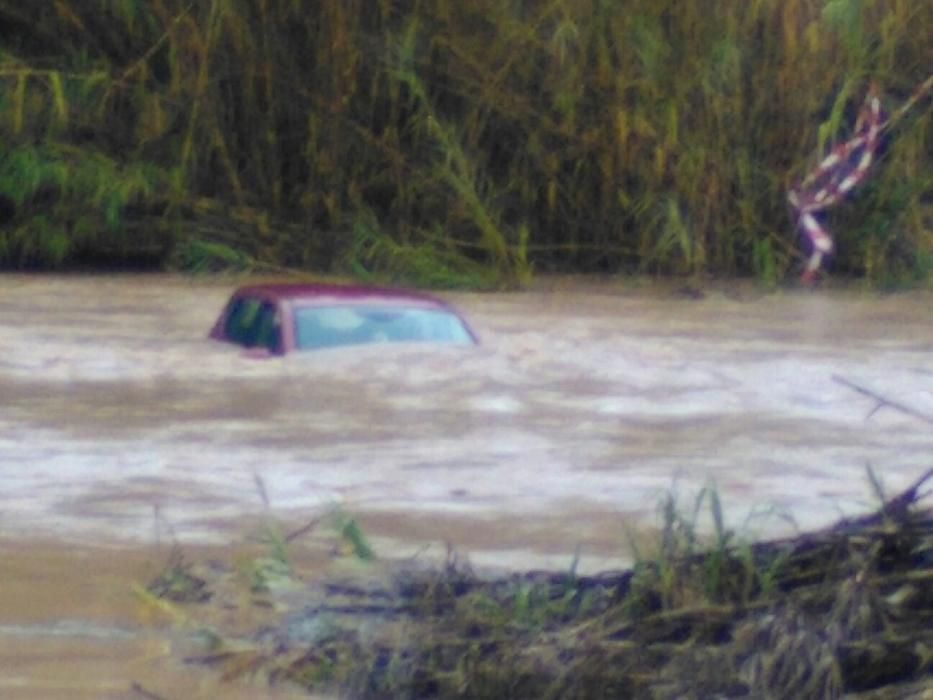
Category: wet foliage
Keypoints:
(177, 583)
(846, 610)
(454, 144)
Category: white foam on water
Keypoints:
(113, 404)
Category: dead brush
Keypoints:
(177, 582)
(788, 657)
(843, 610)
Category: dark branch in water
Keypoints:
(261, 489)
(304, 529)
(895, 508)
(882, 401)
(147, 694)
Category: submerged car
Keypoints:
(285, 318)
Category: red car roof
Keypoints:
(284, 291)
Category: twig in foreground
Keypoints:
(896, 508)
(882, 401)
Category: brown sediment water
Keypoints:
(73, 627)
(122, 426)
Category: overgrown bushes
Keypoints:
(485, 137)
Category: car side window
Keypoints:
(254, 323)
(268, 329)
(240, 320)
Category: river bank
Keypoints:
(316, 613)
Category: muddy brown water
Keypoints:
(122, 427)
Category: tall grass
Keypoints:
(651, 135)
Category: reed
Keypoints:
(652, 135)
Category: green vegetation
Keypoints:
(352, 537)
(843, 610)
(455, 144)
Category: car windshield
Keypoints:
(331, 326)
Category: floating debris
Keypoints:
(845, 610)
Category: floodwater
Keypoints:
(121, 425)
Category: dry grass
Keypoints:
(844, 610)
